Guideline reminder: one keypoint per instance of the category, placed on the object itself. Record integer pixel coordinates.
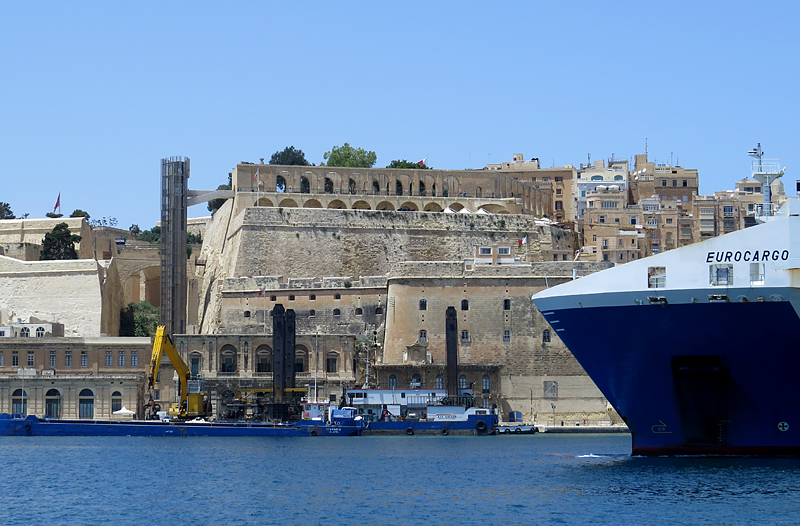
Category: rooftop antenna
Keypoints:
(645, 145)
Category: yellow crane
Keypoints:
(190, 405)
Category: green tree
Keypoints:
(215, 204)
(53, 215)
(151, 236)
(80, 213)
(139, 319)
(409, 165)
(350, 157)
(134, 230)
(5, 211)
(289, 156)
(59, 244)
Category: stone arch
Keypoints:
(361, 205)
(376, 187)
(478, 192)
(288, 203)
(452, 187)
(227, 359)
(305, 185)
(280, 184)
(264, 359)
(384, 205)
(337, 203)
(264, 201)
(429, 184)
(398, 187)
(456, 207)
(493, 209)
(329, 186)
(336, 181)
(408, 206)
(433, 207)
(312, 203)
(352, 186)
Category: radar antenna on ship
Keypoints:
(765, 171)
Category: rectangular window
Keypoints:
(157, 394)
(756, 273)
(506, 304)
(464, 336)
(608, 204)
(550, 389)
(331, 365)
(664, 182)
(674, 182)
(605, 243)
(122, 358)
(2, 360)
(485, 251)
(52, 358)
(558, 191)
(109, 359)
(727, 211)
(423, 336)
(134, 358)
(14, 359)
(559, 179)
(684, 183)
(601, 219)
(721, 275)
(633, 220)
(504, 251)
(559, 205)
(656, 277)
(594, 237)
(506, 336)
(30, 359)
(84, 359)
(68, 359)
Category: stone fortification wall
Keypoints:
(316, 243)
(305, 242)
(16, 233)
(67, 292)
(332, 305)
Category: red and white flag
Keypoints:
(255, 177)
(58, 203)
(423, 161)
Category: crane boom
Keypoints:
(190, 405)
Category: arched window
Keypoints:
(439, 381)
(464, 305)
(312, 313)
(398, 188)
(24, 332)
(351, 186)
(300, 359)
(305, 187)
(506, 304)
(392, 382)
(39, 332)
(462, 382)
(247, 314)
(195, 359)
(337, 312)
(52, 403)
(332, 362)
(264, 361)
(227, 362)
(416, 381)
(337, 296)
(86, 404)
(378, 310)
(328, 186)
(486, 384)
(280, 184)
(423, 304)
(618, 178)
(546, 335)
(422, 189)
(359, 311)
(116, 401)
(376, 188)
(19, 402)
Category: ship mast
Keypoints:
(765, 171)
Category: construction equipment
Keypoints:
(191, 405)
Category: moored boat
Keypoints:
(693, 347)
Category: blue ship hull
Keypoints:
(709, 387)
(33, 426)
(474, 425)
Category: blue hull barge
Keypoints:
(17, 425)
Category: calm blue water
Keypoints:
(539, 479)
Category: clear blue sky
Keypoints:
(94, 94)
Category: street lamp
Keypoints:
(554, 413)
